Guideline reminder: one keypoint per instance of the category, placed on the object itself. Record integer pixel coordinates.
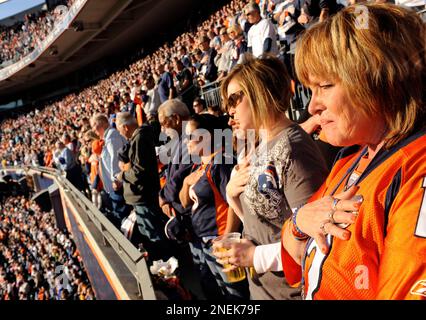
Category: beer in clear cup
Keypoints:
(232, 237)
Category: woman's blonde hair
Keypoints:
(235, 28)
(90, 135)
(377, 52)
(266, 84)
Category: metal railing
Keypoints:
(299, 102)
(131, 257)
(211, 94)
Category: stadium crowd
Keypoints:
(37, 260)
(107, 140)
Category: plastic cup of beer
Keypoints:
(226, 239)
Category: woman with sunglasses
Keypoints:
(284, 167)
(204, 191)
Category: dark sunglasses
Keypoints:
(234, 99)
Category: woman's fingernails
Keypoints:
(355, 188)
(358, 198)
(358, 204)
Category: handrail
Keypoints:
(131, 257)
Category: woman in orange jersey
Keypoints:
(362, 235)
(95, 181)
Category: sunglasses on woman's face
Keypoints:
(234, 99)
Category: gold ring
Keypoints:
(322, 226)
(331, 216)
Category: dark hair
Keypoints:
(210, 123)
(207, 122)
(200, 101)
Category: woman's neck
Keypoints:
(276, 128)
(377, 143)
(373, 149)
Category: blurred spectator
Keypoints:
(128, 104)
(239, 45)
(288, 28)
(141, 186)
(417, 5)
(214, 110)
(65, 160)
(223, 58)
(262, 37)
(152, 99)
(208, 67)
(184, 85)
(66, 140)
(96, 185)
(165, 86)
(109, 169)
(199, 105)
(186, 61)
(317, 10)
(172, 114)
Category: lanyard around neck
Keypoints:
(350, 170)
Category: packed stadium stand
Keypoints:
(85, 85)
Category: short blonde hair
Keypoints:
(235, 28)
(98, 118)
(266, 84)
(90, 135)
(379, 58)
(125, 118)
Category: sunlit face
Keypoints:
(253, 16)
(198, 107)
(123, 131)
(342, 122)
(169, 125)
(239, 109)
(204, 46)
(98, 128)
(233, 35)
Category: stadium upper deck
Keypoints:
(89, 32)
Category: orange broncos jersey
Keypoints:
(385, 257)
